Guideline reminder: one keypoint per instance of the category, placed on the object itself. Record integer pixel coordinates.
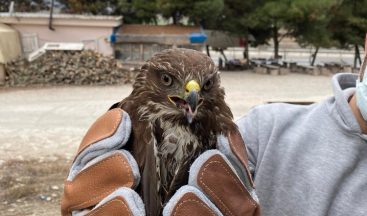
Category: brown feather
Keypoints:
(163, 142)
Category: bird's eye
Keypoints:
(208, 85)
(166, 79)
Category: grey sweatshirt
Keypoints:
(309, 160)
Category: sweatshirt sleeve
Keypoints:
(248, 126)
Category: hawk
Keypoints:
(177, 110)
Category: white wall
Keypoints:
(93, 37)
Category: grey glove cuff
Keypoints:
(134, 202)
(170, 206)
(116, 141)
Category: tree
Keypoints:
(174, 9)
(137, 11)
(310, 23)
(134, 11)
(198, 12)
(95, 7)
(349, 25)
(23, 5)
(236, 18)
(273, 15)
(205, 12)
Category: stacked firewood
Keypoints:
(85, 67)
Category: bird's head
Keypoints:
(181, 85)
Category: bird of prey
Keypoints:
(177, 110)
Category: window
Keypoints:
(190, 46)
(138, 52)
(124, 52)
(29, 42)
(135, 54)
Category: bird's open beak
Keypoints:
(191, 100)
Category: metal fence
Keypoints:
(300, 55)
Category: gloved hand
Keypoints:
(103, 176)
(219, 183)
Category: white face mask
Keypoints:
(361, 93)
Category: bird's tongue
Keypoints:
(189, 113)
(181, 103)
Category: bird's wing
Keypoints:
(144, 150)
(142, 145)
(180, 177)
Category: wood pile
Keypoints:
(85, 67)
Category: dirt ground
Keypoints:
(41, 127)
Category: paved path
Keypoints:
(42, 122)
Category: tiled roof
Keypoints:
(158, 29)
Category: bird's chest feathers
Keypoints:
(176, 143)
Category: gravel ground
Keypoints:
(42, 122)
(40, 126)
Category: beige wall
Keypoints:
(94, 37)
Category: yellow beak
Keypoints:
(190, 100)
(192, 85)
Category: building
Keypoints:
(222, 40)
(93, 31)
(137, 43)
